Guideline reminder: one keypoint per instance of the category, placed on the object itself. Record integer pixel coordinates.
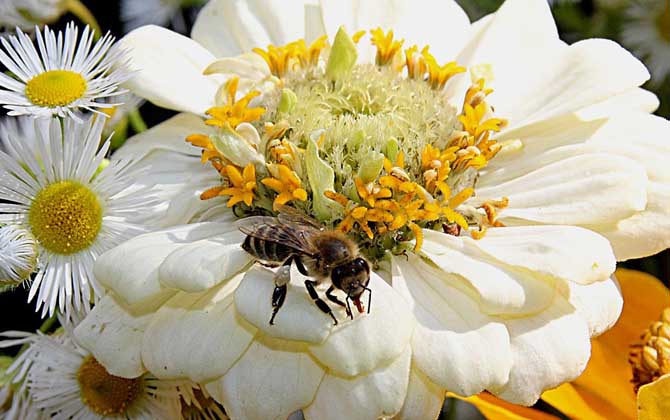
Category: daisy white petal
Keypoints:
(63, 75)
(54, 190)
(18, 255)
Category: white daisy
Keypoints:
(18, 255)
(55, 189)
(25, 14)
(63, 75)
(151, 12)
(469, 194)
(647, 31)
(58, 379)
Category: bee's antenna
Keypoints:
(369, 297)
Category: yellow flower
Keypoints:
(387, 47)
(234, 112)
(243, 187)
(285, 182)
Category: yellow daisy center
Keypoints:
(650, 359)
(55, 88)
(103, 393)
(65, 217)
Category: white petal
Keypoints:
(599, 304)
(586, 73)
(636, 100)
(168, 135)
(131, 269)
(581, 189)
(203, 264)
(273, 379)
(444, 26)
(545, 249)
(169, 69)
(378, 337)
(114, 336)
(377, 394)
(229, 27)
(513, 40)
(424, 399)
(549, 348)
(498, 287)
(457, 346)
(299, 319)
(197, 336)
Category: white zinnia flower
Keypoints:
(579, 170)
(57, 378)
(647, 31)
(51, 184)
(18, 255)
(63, 75)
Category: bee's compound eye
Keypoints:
(361, 264)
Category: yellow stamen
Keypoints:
(370, 193)
(358, 35)
(438, 75)
(234, 112)
(106, 394)
(651, 358)
(65, 217)
(277, 58)
(474, 123)
(416, 63)
(286, 183)
(309, 57)
(243, 185)
(387, 48)
(56, 88)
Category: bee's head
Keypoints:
(352, 278)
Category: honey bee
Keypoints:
(322, 254)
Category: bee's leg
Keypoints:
(300, 265)
(320, 303)
(331, 297)
(282, 278)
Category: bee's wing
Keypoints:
(291, 216)
(294, 235)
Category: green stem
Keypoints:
(77, 8)
(136, 121)
(48, 323)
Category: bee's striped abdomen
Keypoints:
(266, 250)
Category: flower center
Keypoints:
(369, 150)
(65, 217)
(663, 23)
(55, 88)
(105, 394)
(651, 359)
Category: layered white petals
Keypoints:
(231, 27)
(131, 270)
(548, 349)
(633, 100)
(543, 250)
(273, 379)
(114, 336)
(169, 69)
(578, 190)
(203, 264)
(424, 399)
(379, 393)
(197, 336)
(378, 337)
(444, 25)
(497, 286)
(599, 304)
(169, 135)
(457, 346)
(298, 320)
